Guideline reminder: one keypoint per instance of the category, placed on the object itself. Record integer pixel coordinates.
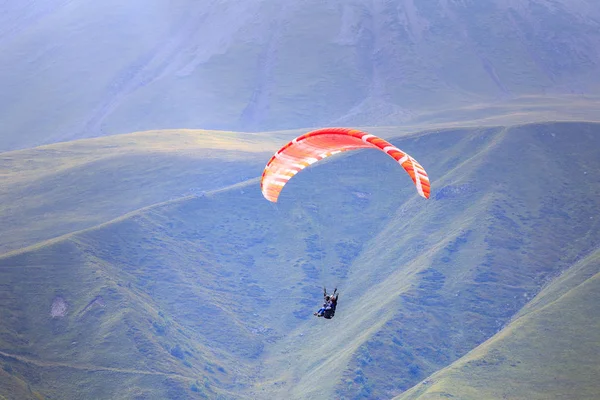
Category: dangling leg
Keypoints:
(320, 312)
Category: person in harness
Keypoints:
(329, 305)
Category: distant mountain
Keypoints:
(80, 69)
(212, 295)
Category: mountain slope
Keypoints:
(81, 69)
(213, 295)
(92, 321)
(76, 185)
(550, 351)
(444, 276)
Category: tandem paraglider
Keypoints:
(316, 145)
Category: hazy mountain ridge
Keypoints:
(267, 65)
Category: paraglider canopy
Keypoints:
(321, 143)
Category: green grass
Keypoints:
(442, 276)
(76, 185)
(549, 351)
(214, 294)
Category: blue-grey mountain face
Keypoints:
(72, 69)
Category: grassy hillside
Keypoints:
(444, 276)
(188, 273)
(549, 351)
(81, 69)
(213, 295)
(76, 185)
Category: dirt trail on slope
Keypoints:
(83, 367)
